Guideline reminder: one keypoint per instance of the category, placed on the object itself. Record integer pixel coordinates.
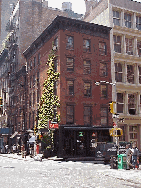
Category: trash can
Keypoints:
(113, 161)
(122, 161)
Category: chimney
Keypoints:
(44, 3)
(66, 6)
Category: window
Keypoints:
(56, 65)
(87, 115)
(39, 58)
(131, 102)
(33, 98)
(33, 80)
(116, 18)
(70, 42)
(127, 19)
(55, 88)
(56, 42)
(133, 135)
(132, 128)
(129, 46)
(31, 64)
(70, 64)
(138, 22)
(34, 61)
(38, 95)
(102, 48)
(103, 69)
(87, 67)
(70, 87)
(104, 116)
(87, 89)
(139, 48)
(118, 72)
(130, 74)
(86, 45)
(139, 69)
(103, 91)
(117, 43)
(30, 81)
(120, 102)
(29, 119)
(70, 114)
(30, 100)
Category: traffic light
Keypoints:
(35, 129)
(111, 107)
(1, 101)
(116, 132)
(80, 133)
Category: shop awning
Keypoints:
(14, 135)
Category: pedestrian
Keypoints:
(14, 148)
(128, 157)
(135, 156)
(6, 148)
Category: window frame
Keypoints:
(85, 71)
(118, 72)
(72, 115)
(132, 75)
(119, 103)
(70, 46)
(68, 87)
(106, 116)
(89, 115)
(85, 48)
(90, 94)
(67, 63)
(117, 44)
(100, 70)
(139, 73)
(129, 47)
(101, 91)
(138, 22)
(116, 18)
(139, 48)
(102, 51)
(126, 21)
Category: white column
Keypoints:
(135, 50)
(134, 21)
(138, 103)
(126, 103)
(125, 73)
(123, 45)
(122, 19)
(136, 73)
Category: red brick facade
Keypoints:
(80, 105)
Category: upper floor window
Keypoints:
(103, 69)
(117, 43)
(38, 95)
(39, 56)
(102, 48)
(118, 72)
(33, 80)
(56, 42)
(56, 65)
(30, 81)
(139, 48)
(131, 104)
(87, 89)
(34, 61)
(120, 102)
(104, 116)
(127, 19)
(70, 87)
(70, 64)
(130, 74)
(31, 64)
(86, 45)
(70, 42)
(33, 98)
(70, 114)
(116, 18)
(87, 115)
(129, 46)
(87, 67)
(138, 22)
(103, 91)
(139, 71)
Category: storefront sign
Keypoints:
(53, 126)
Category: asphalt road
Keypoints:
(16, 173)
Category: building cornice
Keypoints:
(63, 23)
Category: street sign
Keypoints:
(53, 126)
(115, 115)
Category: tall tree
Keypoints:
(49, 101)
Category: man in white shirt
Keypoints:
(128, 157)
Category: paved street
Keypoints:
(27, 173)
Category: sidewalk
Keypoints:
(16, 156)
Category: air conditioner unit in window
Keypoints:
(54, 47)
(132, 111)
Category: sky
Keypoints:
(78, 6)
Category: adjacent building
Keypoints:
(124, 16)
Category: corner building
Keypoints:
(124, 16)
(83, 57)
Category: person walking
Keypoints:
(128, 157)
(135, 156)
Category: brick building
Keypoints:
(124, 16)
(83, 57)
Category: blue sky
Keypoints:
(78, 6)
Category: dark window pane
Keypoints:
(87, 89)
(70, 64)
(87, 67)
(70, 114)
